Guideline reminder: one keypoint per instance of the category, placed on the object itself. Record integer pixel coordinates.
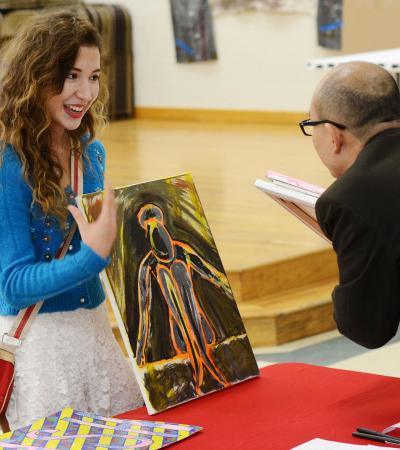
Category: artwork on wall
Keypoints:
(179, 320)
(193, 31)
(281, 6)
(69, 429)
(329, 22)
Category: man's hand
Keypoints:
(100, 234)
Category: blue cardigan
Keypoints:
(30, 240)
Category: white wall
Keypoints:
(261, 61)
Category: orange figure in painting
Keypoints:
(171, 263)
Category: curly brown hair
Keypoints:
(36, 62)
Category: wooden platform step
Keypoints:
(288, 299)
(289, 315)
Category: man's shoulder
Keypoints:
(369, 187)
(375, 173)
(349, 187)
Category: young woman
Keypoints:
(51, 103)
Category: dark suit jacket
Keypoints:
(360, 213)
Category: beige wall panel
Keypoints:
(370, 25)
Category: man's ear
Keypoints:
(336, 137)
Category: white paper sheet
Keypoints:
(322, 444)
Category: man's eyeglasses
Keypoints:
(308, 125)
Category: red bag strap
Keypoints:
(25, 317)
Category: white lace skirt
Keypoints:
(70, 359)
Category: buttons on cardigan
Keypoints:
(100, 159)
(82, 300)
(70, 247)
(33, 233)
(47, 256)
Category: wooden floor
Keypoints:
(251, 231)
(224, 159)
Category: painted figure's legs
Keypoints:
(195, 317)
(171, 295)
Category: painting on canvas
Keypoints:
(329, 22)
(193, 31)
(184, 333)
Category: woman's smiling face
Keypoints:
(80, 90)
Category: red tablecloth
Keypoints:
(286, 406)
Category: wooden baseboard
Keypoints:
(220, 115)
(281, 276)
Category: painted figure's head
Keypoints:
(151, 218)
(50, 90)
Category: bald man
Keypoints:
(355, 126)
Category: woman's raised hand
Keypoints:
(100, 234)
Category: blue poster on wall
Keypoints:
(329, 21)
(193, 31)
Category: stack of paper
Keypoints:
(296, 196)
